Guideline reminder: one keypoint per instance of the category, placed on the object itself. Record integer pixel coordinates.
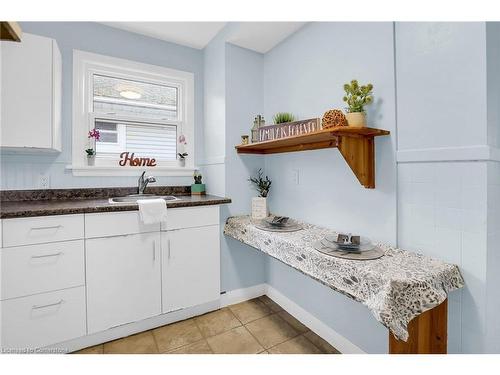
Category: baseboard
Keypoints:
(229, 298)
(314, 324)
(133, 328)
(244, 294)
(317, 326)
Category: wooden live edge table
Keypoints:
(405, 291)
(356, 144)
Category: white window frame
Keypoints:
(85, 65)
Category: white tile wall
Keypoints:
(442, 212)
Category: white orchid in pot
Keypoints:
(182, 154)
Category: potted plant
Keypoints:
(357, 97)
(282, 117)
(259, 204)
(182, 158)
(93, 137)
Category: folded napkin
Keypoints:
(152, 211)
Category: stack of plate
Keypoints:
(366, 250)
(278, 224)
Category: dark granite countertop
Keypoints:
(76, 201)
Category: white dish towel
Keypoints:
(152, 211)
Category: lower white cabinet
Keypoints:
(68, 276)
(43, 319)
(123, 280)
(191, 267)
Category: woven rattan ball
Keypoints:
(332, 118)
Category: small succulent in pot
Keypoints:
(282, 117)
(261, 184)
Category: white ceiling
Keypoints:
(263, 36)
(191, 34)
(257, 36)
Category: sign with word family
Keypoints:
(126, 157)
(289, 129)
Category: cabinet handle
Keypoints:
(36, 307)
(50, 227)
(46, 256)
(168, 247)
(154, 251)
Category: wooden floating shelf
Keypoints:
(10, 31)
(356, 144)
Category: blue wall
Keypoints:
(22, 172)
(320, 58)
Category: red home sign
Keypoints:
(136, 162)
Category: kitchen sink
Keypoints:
(133, 198)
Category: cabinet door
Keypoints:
(27, 93)
(123, 280)
(191, 267)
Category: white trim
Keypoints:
(314, 324)
(83, 64)
(240, 295)
(462, 153)
(135, 327)
(103, 171)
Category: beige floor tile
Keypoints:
(142, 343)
(273, 306)
(297, 345)
(216, 322)
(299, 327)
(175, 335)
(271, 330)
(200, 347)
(98, 349)
(250, 310)
(324, 346)
(236, 341)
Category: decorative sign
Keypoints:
(289, 129)
(136, 162)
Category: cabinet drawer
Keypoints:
(42, 229)
(115, 224)
(190, 217)
(41, 268)
(43, 319)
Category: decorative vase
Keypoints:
(182, 162)
(91, 160)
(259, 208)
(356, 118)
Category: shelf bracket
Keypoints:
(359, 153)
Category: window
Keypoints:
(137, 108)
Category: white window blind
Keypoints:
(143, 139)
(159, 142)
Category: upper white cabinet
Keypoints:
(31, 94)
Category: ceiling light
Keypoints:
(129, 94)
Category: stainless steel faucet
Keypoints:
(143, 182)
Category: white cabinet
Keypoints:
(42, 319)
(123, 280)
(191, 267)
(31, 94)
